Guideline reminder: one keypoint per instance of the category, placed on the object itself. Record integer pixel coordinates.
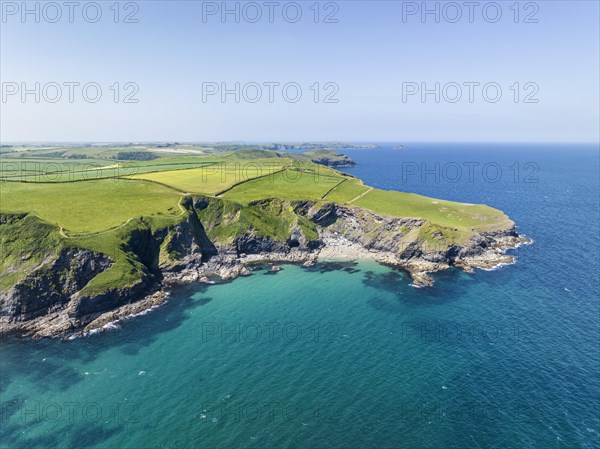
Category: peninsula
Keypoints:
(88, 238)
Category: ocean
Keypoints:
(348, 355)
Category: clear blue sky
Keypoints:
(369, 54)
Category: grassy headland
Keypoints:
(50, 199)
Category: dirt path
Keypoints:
(360, 196)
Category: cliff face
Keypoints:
(217, 238)
(414, 244)
(50, 286)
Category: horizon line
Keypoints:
(282, 141)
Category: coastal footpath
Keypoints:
(69, 287)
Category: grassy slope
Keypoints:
(224, 220)
(83, 207)
(25, 241)
(127, 268)
(444, 213)
(101, 215)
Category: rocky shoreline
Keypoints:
(43, 306)
(226, 268)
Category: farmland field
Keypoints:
(215, 178)
(109, 192)
(288, 185)
(91, 206)
(52, 170)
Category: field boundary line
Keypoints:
(330, 190)
(218, 194)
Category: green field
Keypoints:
(93, 206)
(449, 214)
(287, 185)
(48, 170)
(100, 204)
(216, 178)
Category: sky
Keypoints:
(345, 71)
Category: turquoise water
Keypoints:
(348, 355)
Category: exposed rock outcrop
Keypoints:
(217, 240)
(50, 286)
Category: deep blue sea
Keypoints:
(348, 355)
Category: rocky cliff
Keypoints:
(56, 293)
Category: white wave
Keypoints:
(500, 265)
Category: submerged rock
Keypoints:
(310, 263)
